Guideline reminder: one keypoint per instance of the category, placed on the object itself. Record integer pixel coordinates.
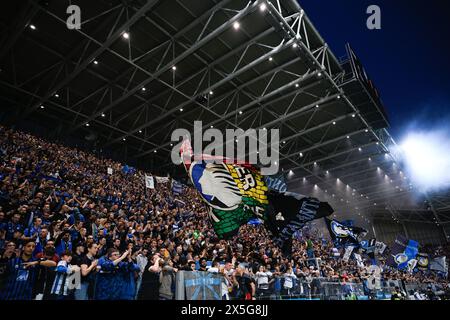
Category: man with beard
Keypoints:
(45, 276)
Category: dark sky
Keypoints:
(408, 59)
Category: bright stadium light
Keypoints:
(427, 159)
(126, 35)
(236, 25)
(33, 27)
(263, 7)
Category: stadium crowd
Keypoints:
(61, 213)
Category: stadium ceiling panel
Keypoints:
(137, 70)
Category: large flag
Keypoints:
(149, 182)
(177, 187)
(237, 193)
(439, 264)
(402, 251)
(342, 235)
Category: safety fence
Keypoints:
(207, 286)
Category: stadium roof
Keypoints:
(137, 70)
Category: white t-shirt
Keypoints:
(289, 280)
(262, 279)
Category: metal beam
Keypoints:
(103, 46)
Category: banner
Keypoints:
(341, 234)
(277, 183)
(348, 252)
(439, 264)
(109, 171)
(359, 261)
(380, 247)
(177, 187)
(162, 179)
(402, 251)
(149, 183)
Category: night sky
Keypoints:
(408, 59)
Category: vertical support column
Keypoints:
(179, 286)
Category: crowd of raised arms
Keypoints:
(62, 213)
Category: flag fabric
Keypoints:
(411, 265)
(343, 235)
(180, 204)
(277, 183)
(348, 252)
(255, 222)
(149, 182)
(402, 251)
(128, 170)
(422, 261)
(177, 187)
(439, 264)
(162, 179)
(370, 250)
(380, 247)
(348, 223)
(237, 193)
(359, 261)
(364, 244)
(109, 170)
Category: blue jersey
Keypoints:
(115, 282)
(19, 285)
(63, 246)
(11, 228)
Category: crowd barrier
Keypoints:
(206, 286)
(197, 285)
